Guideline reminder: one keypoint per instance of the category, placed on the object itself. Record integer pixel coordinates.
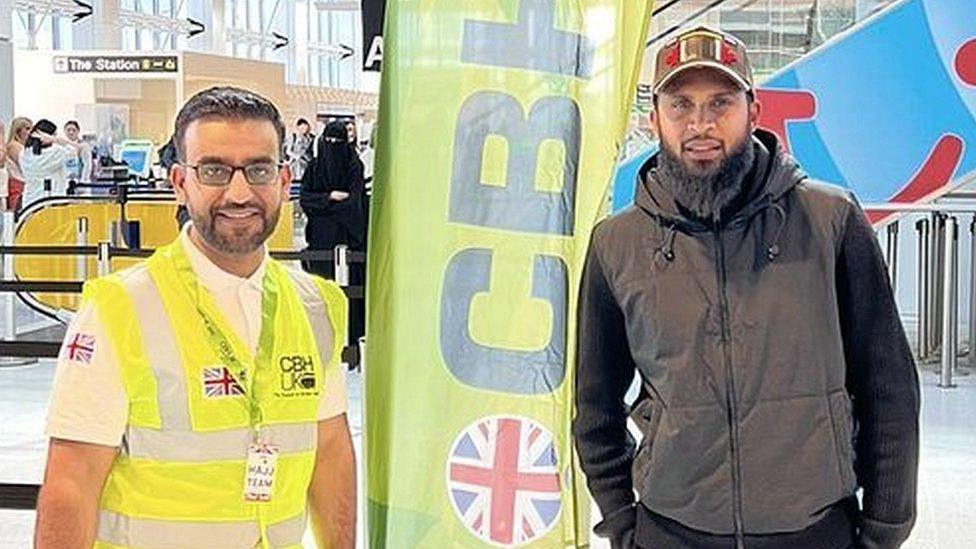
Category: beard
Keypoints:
(705, 192)
(234, 240)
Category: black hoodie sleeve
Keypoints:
(883, 384)
(604, 371)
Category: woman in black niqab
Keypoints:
(332, 198)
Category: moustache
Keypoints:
(249, 207)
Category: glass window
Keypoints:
(254, 15)
(45, 34)
(335, 29)
(239, 18)
(62, 33)
(128, 38)
(146, 39)
(269, 15)
(20, 34)
(164, 40)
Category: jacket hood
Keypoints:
(774, 174)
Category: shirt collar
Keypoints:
(213, 277)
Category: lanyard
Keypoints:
(232, 352)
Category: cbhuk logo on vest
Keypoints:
(297, 376)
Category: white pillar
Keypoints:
(100, 30)
(6, 61)
(217, 28)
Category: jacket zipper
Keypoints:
(731, 400)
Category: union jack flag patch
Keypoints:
(219, 382)
(80, 348)
(503, 480)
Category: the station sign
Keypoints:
(115, 64)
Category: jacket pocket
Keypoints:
(688, 473)
(646, 415)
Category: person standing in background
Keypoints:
(368, 157)
(332, 197)
(20, 128)
(299, 149)
(353, 134)
(44, 159)
(168, 159)
(4, 177)
(79, 166)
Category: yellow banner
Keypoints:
(500, 123)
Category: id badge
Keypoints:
(262, 462)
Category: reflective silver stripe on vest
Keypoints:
(318, 315)
(287, 532)
(229, 444)
(172, 534)
(162, 351)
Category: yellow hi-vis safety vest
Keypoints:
(178, 480)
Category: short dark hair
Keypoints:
(302, 122)
(225, 102)
(43, 126)
(72, 123)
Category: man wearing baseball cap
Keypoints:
(777, 384)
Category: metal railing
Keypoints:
(14, 352)
(937, 282)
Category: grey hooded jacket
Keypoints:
(751, 346)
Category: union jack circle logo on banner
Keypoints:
(218, 382)
(503, 480)
(81, 349)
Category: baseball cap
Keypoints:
(703, 47)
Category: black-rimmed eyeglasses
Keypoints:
(216, 174)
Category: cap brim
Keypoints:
(703, 65)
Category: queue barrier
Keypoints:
(19, 497)
(937, 284)
(14, 352)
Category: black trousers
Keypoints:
(325, 232)
(835, 530)
(342, 225)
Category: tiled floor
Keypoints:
(947, 475)
(947, 483)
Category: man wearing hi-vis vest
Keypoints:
(199, 399)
